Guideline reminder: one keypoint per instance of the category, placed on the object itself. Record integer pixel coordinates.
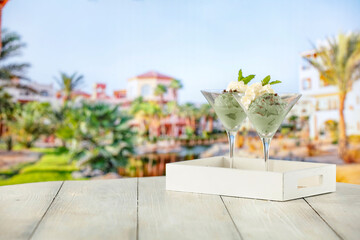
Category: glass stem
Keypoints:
(231, 136)
(266, 146)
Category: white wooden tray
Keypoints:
(286, 180)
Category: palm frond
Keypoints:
(11, 45)
(338, 60)
(11, 71)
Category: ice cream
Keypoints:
(253, 91)
(229, 111)
(266, 113)
(236, 87)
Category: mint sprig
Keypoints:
(275, 82)
(246, 79)
(266, 81)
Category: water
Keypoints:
(153, 164)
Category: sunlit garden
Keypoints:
(60, 131)
(80, 138)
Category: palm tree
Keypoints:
(68, 83)
(7, 110)
(175, 85)
(160, 90)
(148, 114)
(32, 121)
(189, 111)
(11, 46)
(338, 62)
(102, 138)
(172, 110)
(209, 114)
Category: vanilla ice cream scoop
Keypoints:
(236, 86)
(253, 91)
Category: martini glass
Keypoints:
(229, 112)
(266, 113)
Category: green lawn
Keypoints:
(53, 166)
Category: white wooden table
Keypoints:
(142, 209)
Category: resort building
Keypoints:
(30, 91)
(144, 85)
(321, 102)
(139, 86)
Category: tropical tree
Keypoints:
(331, 126)
(172, 111)
(208, 113)
(175, 85)
(11, 46)
(62, 129)
(172, 108)
(7, 109)
(99, 136)
(6, 104)
(293, 121)
(32, 121)
(190, 112)
(68, 83)
(338, 63)
(160, 90)
(148, 115)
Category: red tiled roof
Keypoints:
(153, 74)
(100, 85)
(120, 93)
(81, 93)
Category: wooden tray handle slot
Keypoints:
(312, 181)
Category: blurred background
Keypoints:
(109, 89)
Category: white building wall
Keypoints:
(44, 93)
(325, 102)
(135, 86)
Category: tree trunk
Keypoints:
(28, 145)
(63, 143)
(175, 94)
(9, 144)
(2, 4)
(162, 102)
(193, 123)
(211, 124)
(342, 147)
(1, 7)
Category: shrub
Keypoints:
(99, 136)
(352, 156)
(32, 120)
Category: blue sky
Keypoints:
(201, 42)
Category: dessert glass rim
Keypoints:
(219, 91)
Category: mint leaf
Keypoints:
(266, 80)
(240, 75)
(275, 82)
(247, 79)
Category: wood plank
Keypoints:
(261, 219)
(22, 207)
(176, 215)
(341, 209)
(103, 209)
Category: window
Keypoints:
(306, 83)
(44, 93)
(146, 90)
